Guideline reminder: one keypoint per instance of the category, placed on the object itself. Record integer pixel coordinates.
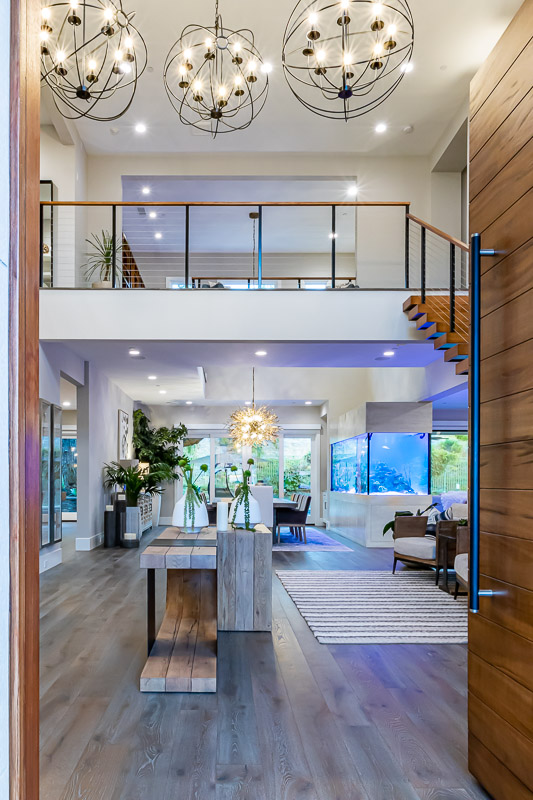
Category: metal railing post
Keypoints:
(333, 251)
(41, 243)
(423, 263)
(260, 248)
(452, 287)
(114, 246)
(187, 245)
(407, 247)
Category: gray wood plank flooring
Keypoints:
(292, 719)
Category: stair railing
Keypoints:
(437, 265)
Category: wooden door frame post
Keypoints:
(24, 448)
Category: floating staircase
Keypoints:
(432, 318)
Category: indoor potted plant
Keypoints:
(100, 260)
(157, 446)
(135, 480)
(390, 525)
(190, 513)
(245, 510)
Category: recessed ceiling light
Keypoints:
(352, 190)
(388, 352)
(162, 391)
(65, 403)
(261, 352)
(308, 402)
(188, 402)
(408, 67)
(153, 214)
(152, 377)
(146, 190)
(134, 352)
(380, 127)
(140, 127)
(158, 235)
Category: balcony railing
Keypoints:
(250, 246)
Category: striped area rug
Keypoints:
(356, 607)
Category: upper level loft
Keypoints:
(370, 261)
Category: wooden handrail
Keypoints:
(438, 232)
(142, 203)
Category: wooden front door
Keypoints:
(501, 210)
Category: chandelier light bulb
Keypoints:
(128, 42)
(44, 36)
(391, 30)
(91, 64)
(187, 54)
(266, 68)
(321, 56)
(182, 69)
(378, 9)
(125, 68)
(345, 4)
(313, 19)
(209, 43)
(347, 59)
(222, 91)
(119, 55)
(237, 47)
(61, 56)
(252, 66)
(378, 49)
(108, 14)
(197, 85)
(238, 81)
(46, 13)
(74, 4)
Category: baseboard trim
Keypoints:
(49, 558)
(90, 542)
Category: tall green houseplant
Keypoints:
(157, 445)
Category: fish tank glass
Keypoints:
(349, 465)
(381, 463)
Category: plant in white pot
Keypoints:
(190, 513)
(245, 511)
(100, 260)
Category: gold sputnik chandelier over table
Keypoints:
(250, 425)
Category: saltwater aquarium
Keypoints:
(349, 465)
(381, 463)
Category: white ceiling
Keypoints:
(452, 39)
(177, 366)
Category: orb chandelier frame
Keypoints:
(343, 59)
(251, 425)
(216, 78)
(89, 52)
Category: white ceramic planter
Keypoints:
(255, 513)
(181, 517)
(102, 285)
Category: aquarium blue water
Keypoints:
(381, 463)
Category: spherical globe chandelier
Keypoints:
(216, 78)
(90, 52)
(343, 59)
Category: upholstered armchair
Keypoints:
(461, 559)
(411, 545)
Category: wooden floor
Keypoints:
(291, 718)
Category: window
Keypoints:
(297, 465)
(198, 451)
(449, 462)
(226, 456)
(266, 465)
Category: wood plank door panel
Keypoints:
(501, 210)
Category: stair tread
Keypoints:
(448, 340)
(462, 367)
(457, 353)
(414, 300)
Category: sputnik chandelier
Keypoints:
(343, 59)
(90, 52)
(250, 425)
(216, 78)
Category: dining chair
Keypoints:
(294, 518)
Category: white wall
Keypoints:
(4, 409)
(56, 360)
(65, 165)
(99, 401)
